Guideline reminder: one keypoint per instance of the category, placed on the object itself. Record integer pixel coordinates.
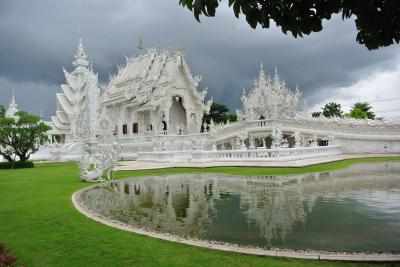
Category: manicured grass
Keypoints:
(39, 224)
(261, 170)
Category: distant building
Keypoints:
(12, 108)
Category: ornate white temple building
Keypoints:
(153, 109)
(153, 93)
(73, 100)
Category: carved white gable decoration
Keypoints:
(155, 88)
(269, 99)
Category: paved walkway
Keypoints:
(135, 165)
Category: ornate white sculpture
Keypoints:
(242, 138)
(277, 137)
(98, 161)
(297, 139)
(269, 98)
(252, 144)
(264, 145)
(237, 143)
(314, 141)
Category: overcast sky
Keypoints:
(40, 37)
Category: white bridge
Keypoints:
(355, 136)
(296, 139)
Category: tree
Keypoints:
(232, 117)
(316, 114)
(377, 21)
(21, 136)
(219, 113)
(332, 109)
(2, 111)
(364, 107)
(358, 113)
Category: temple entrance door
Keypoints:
(177, 116)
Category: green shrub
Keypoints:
(5, 258)
(16, 165)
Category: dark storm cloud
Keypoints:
(38, 38)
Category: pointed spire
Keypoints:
(13, 99)
(262, 72)
(262, 80)
(276, 73)
(80, 56)
(140, 45)
(261, 67)
(12, 107)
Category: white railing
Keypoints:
(139, 138)
(241, 155)
(163, 156)
(345, 129)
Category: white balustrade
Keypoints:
(339, 128)
(241, 155)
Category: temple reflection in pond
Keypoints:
(190, 204)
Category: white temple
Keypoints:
(155, 93)
(153, 110)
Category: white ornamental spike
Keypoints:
(80, 56)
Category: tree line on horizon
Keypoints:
(359, 111)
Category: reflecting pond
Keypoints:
(352, 209)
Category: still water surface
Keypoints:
(353, 209)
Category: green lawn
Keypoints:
(39, 224)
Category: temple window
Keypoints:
(135, 127)
(124, 129)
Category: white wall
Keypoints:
(368, 146)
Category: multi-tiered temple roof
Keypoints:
(71, 99)
(145, 81)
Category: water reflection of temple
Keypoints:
(185, 204)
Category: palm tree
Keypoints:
(364, 107)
